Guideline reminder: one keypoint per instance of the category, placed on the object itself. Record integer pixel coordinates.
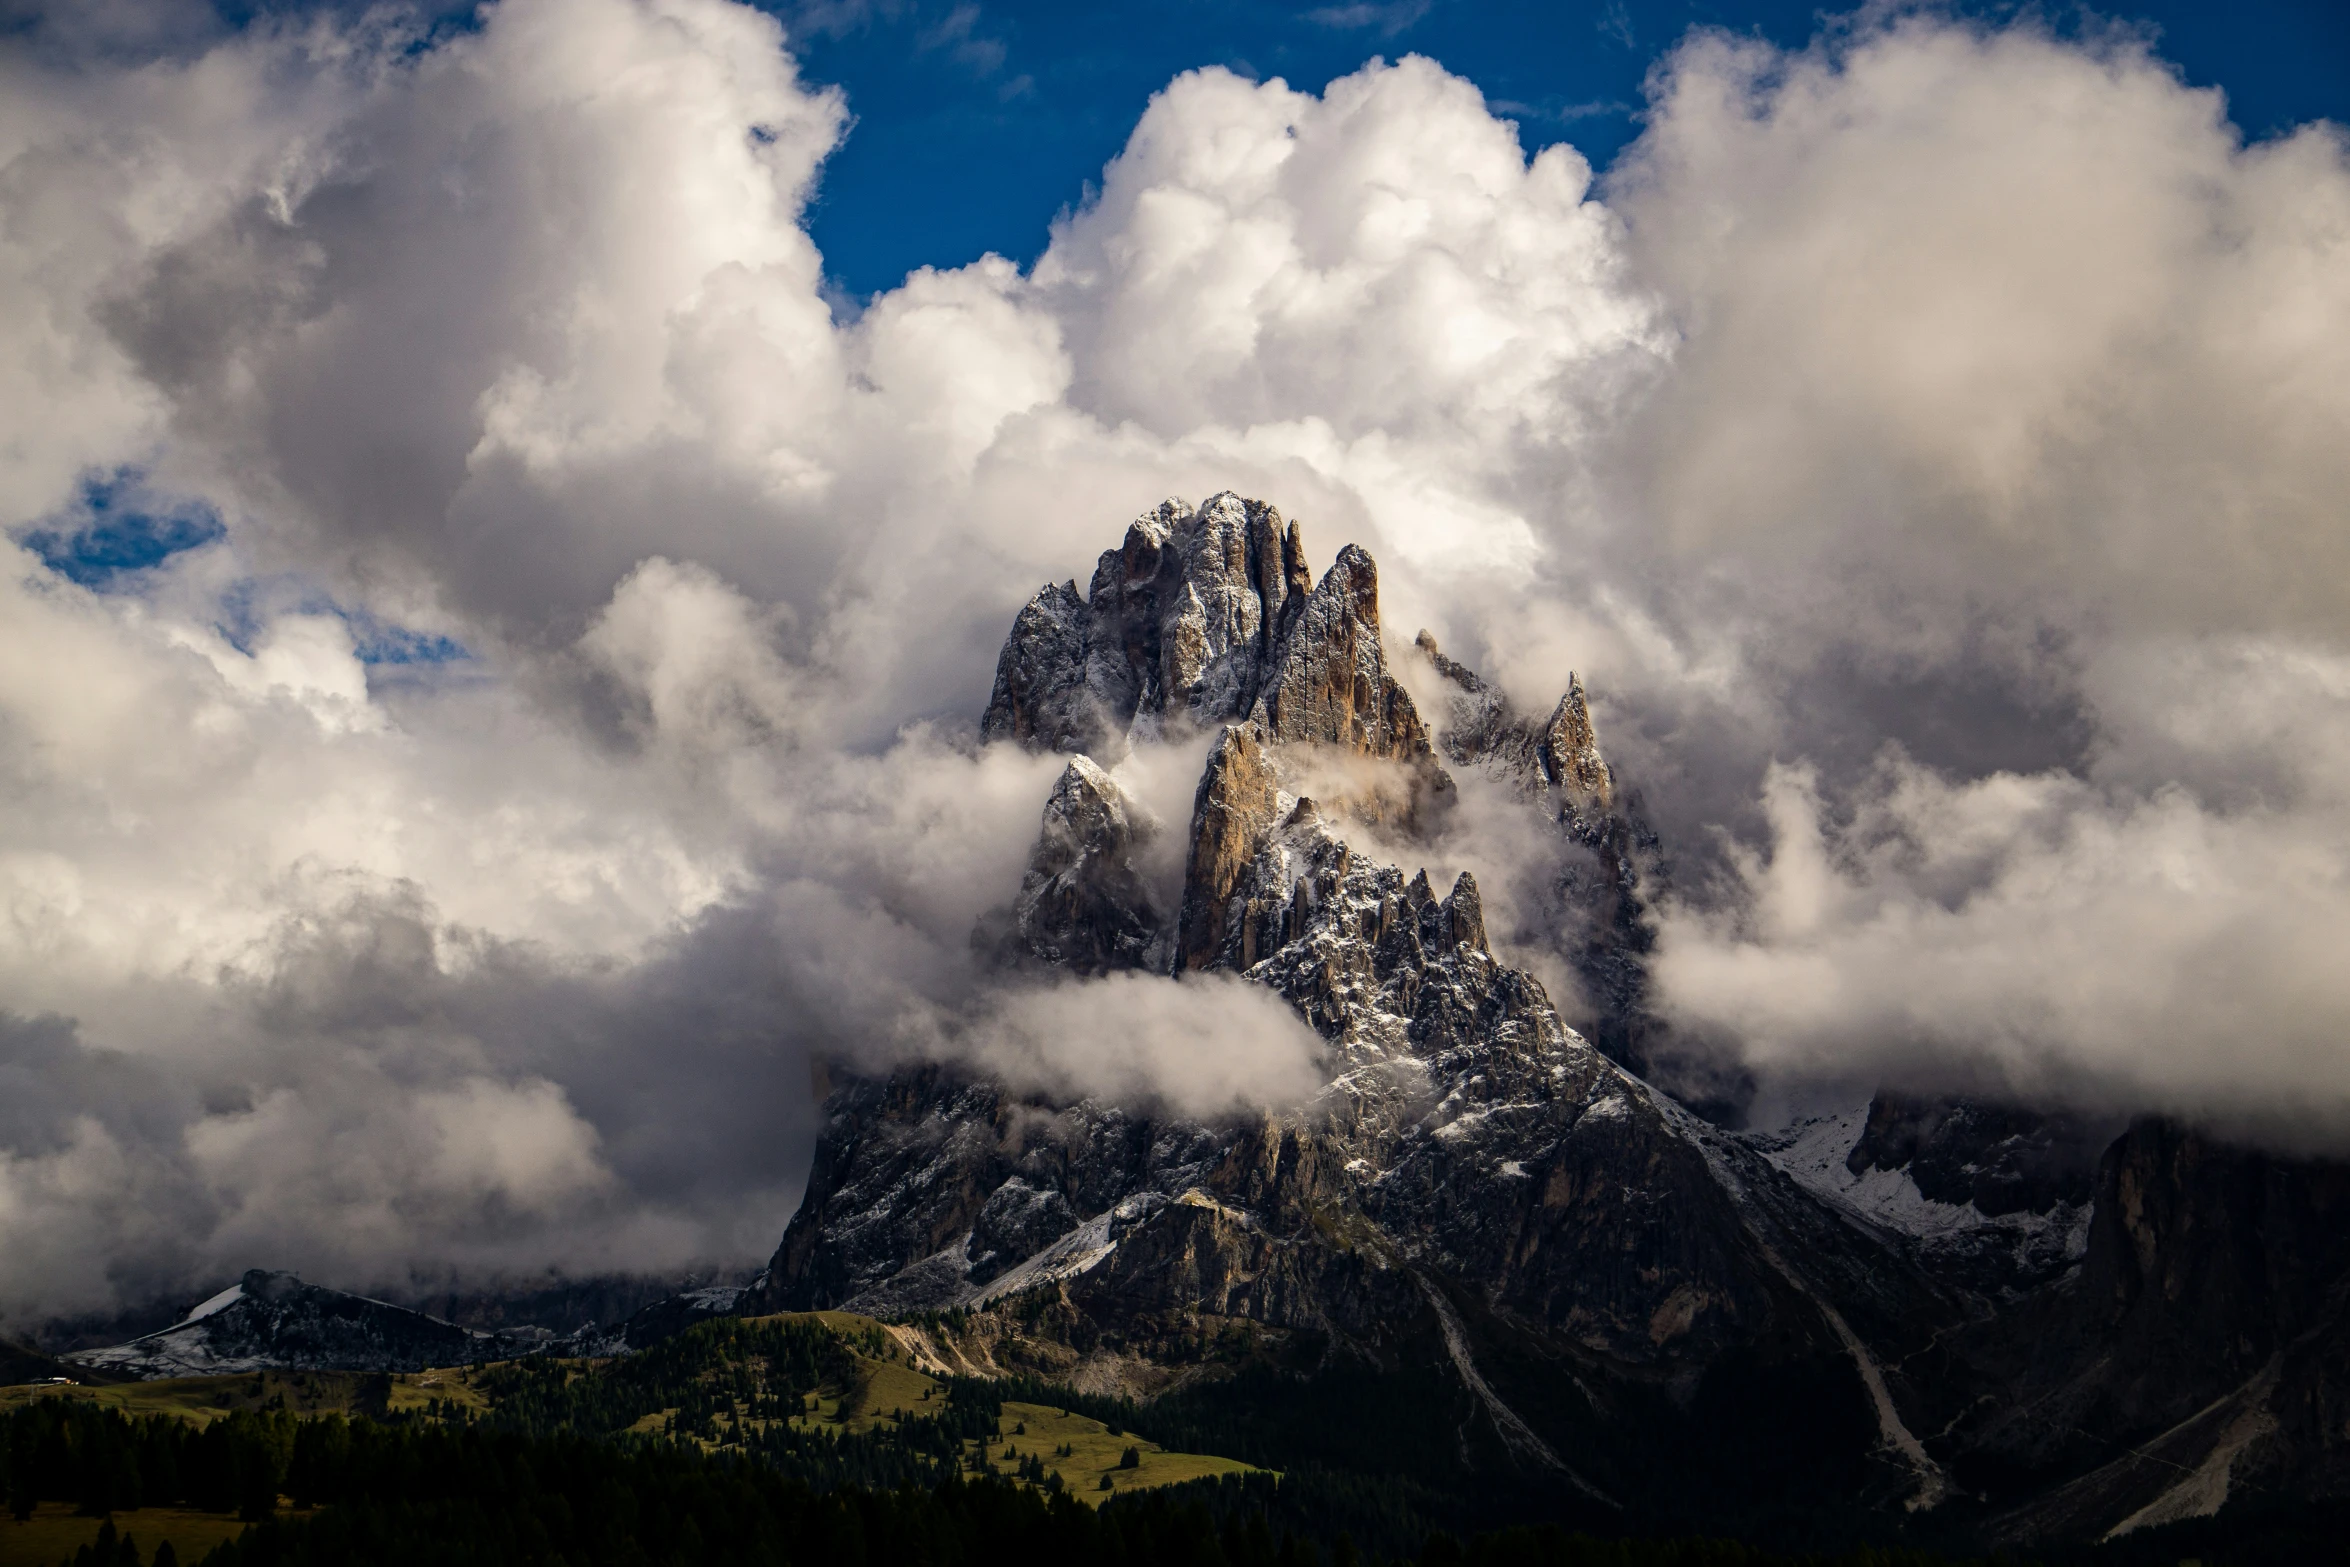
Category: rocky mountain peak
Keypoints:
(1328, 681)
(1472, 1173)
(1179, 624)
(273, 1319)
(1202, 617)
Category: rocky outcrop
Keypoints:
(1569, 752)
(2202, 1355)
(1232, 818)
(1479, 728)
(1041, 697)
(898, 1212)
(1914, 1168)
(1084, 904)
(1998, 1158)
(1327, 682)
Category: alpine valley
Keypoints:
(1498, 1269)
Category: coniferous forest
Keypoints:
(690, 1453)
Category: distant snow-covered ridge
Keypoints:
(273, 1321)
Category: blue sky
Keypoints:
(975, 124)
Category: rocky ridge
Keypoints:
(275, 1321)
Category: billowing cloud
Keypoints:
(2004, 448)
(448, 852)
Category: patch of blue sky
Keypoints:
(379, 644)
(248, 606)
(117, 530)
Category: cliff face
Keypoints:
(1084, 905)
(2201, 1354)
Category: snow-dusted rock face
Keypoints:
(1995, 1251)
(2000, 1160)
(1084, 904)
(275, 1321)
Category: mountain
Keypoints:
(2201, 1355)
(275, 1321)
(1492, 1258)
(1612, 1298)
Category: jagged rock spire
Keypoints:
(1032, 701)
(1206, 616)
(1481, 727)
(1570, 749)
(1083, 905)
(1231, 818)
(1328, 682)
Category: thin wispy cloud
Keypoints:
(1388, 20)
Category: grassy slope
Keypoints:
(203, 1400)
(884, 1385)
(888, 1383)
(1095, 1453)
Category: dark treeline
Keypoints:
(466, 1495)
(567, 1468)
(69, 1450)
(414, 1492)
